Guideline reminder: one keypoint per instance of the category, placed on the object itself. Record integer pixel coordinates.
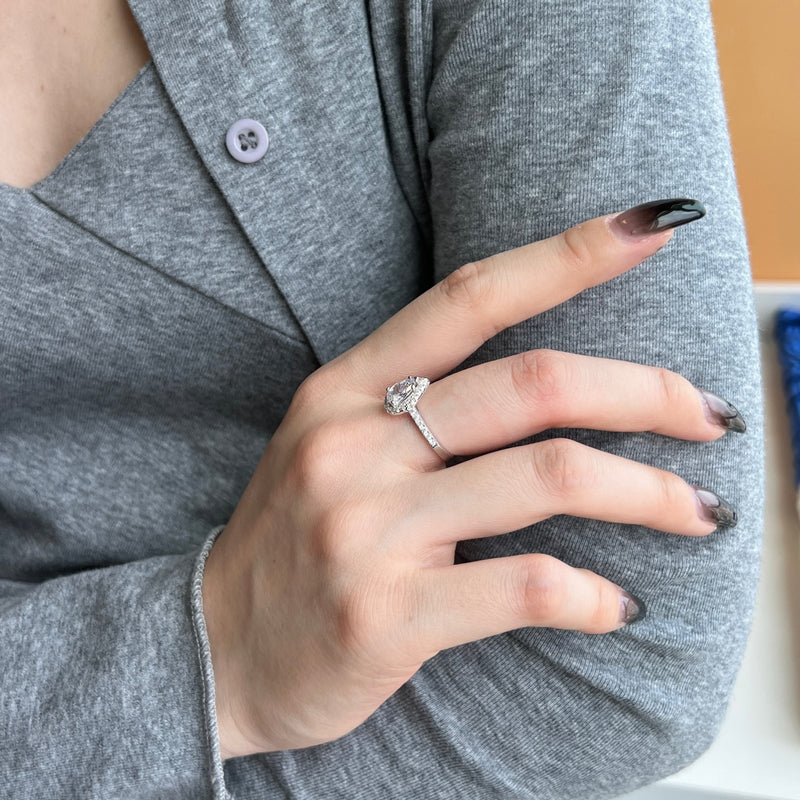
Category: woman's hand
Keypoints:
(334, 579)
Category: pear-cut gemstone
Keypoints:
(398, 394)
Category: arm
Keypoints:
(100, 674)
(540, 115)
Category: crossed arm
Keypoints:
(533, 117)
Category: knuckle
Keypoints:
(334, 530)
(346, 525)
(335, 540)
(469, 287)
(542, 589)
(352, 621)
(670, 388)
(318, 456)
(318, 389)
(540, 376)
(576, 252)
(364, 612)
(562, 467)
(604, 614)
(308, 393)
(672, 496)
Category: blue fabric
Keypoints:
(787, 332)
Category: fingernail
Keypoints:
(720, 412)
(631, 608)
(712, 508)
(659, 215)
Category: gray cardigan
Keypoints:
(138, 388)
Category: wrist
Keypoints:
(221, 612)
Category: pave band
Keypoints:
(402, 397)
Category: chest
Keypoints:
(325, 211)
(61, 66)
(141, 364)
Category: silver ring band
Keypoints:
(402, 397)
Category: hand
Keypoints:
(334, 579)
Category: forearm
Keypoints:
(541, 115)
(102, 687)
(595, 111)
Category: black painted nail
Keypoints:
(712, 508)
(631, 608)
(721, 412)
(657, 216)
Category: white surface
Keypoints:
(757, 752)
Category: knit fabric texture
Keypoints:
(162, 301)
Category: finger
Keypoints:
(465, 602)
(500, 402)
(510, 489)
(438, 330)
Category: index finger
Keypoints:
(437, 331)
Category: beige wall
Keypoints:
(759, 55)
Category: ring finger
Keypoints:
(510, 489)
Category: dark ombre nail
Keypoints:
(657, 216)
(720, 412)
(631, 608)
(712, 508)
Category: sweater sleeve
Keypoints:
(102, 684)
(528, 117)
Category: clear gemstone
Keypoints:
(399, 392)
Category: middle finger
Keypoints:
(514, 488)
(501, 402)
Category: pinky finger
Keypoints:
(466, 602)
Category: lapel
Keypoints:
(322, 208)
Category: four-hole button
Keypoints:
(247, 140)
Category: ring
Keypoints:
(402, 397)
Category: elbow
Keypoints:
(666, 737)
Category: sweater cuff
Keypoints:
(217, 775)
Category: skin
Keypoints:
(62, 63)
(334, 579)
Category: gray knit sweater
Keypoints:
(161, 301)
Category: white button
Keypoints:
(247, 140)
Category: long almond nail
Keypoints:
(656, 216)
(631, 608)
(712, 508)
(722, 413)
